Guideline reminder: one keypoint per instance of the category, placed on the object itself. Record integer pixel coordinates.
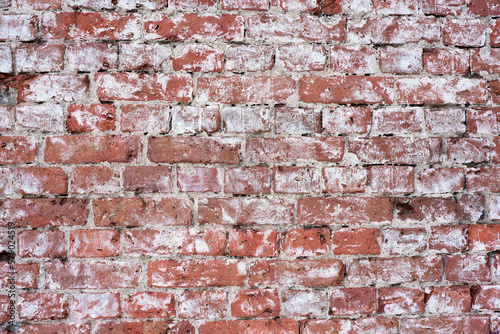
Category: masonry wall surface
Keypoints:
(250, 166)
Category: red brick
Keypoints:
(483, 60)
(484, 8)
(54, 328)
(494, 211)
(247, 180)
(441, 90)
(239, 89)
(391, 179)
(495, 267)
(146, 242)
(140, 57)
(195, 273)
(306, 242)
(42, 180)
(54, 87)
(26, 275)
(397, 120)
(485, 297)
(202, 304)
(355, 241)
(146, 327)
(398, 7)
(91, 4)
(94, 180)
(39, 5)
(324, 272)
(194, 150)
(6, 117)
(43, 117)
(192, 27)
(447, 299)
(398, 150)
(299, 58)
(282, 326)
(245, 4)
(346, 89)
(345, 179)
(39, 58)
(246, 119)
(149, 305)
(436, 209)
(148, 179)
(394, 270)
(441, 180)
(238, 56)
(42, 306)
(90, 25)
(300, 5)
(296, 180)
(264, 150)
(446, 61)
(400, 300)
(198, 58)
(91, 275)
(494, 28)
(351, 301)
(336, 210)
(194, 119)
(143, 87)
(466, 268)
(41, 244)
(297, 120)
(449, 239)
(91, 149)
(182, 5)
(94, 117)
(445, 325)
(7, 310)
(201, 242)
(396, 241)
(145, 118)
(96, 305)
(256, 304)
(90, 57)
(395, 30)
(483, 120)
(346, 120)
(360, 325)
(469, 32)
(137, 211)
(6, 181)
(438, 7)
(254, 243)
(333, 6)
(281, 28)
(304, 303)
(94, 243)
(200, 179)
(245, 211)
(353, 59)
(400, 60)
(445, 120)
(495, 91)
(42, 212)
(484, 238)
(22, 27)
(467, 150)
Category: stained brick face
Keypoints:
(250, 166)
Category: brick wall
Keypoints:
(251, 166)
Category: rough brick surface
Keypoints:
(250, 166)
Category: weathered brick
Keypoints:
(324, 272)
(245, 211)
(446, 61)
(484, 8)
(42, 306)
(466, 268)
(350, 301)
(304, 303)
(42, 180)
(494, 27)
(484, 238)
(483, 179)
(391, 179)
(44, 117)
(146, 242)
(6, 117)
(345, 179)
(347, 89)
(467, 150)
(469, 32)
(441, 180)
(256, 303)
(336, 210)
(346, 120)
(483, 120)
(299, 58)
(193, 119)
(145, 118)
(26, 275)
(92, 57)
(245, 4)
(149, 327)
(94, 243)
(397, 120)
(147, 179)
(39, 58)
(254, 243)
(353, 59)
(94, 117)
(485, 297)
(447, 299)
(397, 241)
(39, 5)
(198, 58)
(202, 304)
(190, 4)
(284, 326)
(296, 180)
(54, 87)
(247, 180)
(438, 7)
(306, 242)
(398, 7)
(149, 305)
(138, 56)
(6, 181)
(246, 119)
(195, 273)
(94, 180)
(207, 241)
(445, 120)
(400, 61)
(249, 58)
(445, 325)
(355, 241)
(360, 325)
(400, 300)
(450, 239)
(297, 120)
(22, 27)
(96, 305)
